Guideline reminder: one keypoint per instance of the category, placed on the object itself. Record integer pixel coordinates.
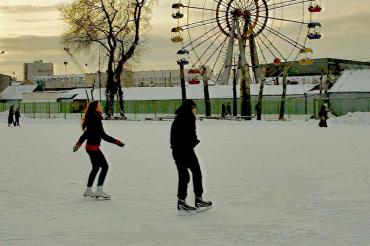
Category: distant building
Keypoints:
(37, 68)
(5, 81)
(161, 78)
(14, 93)
(73, 81)
(60, 82)
(351, 92)
(96, 80)
(322, 66)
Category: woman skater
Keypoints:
(94, 132)
(183, 141)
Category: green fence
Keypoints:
(346, 104)
(299, 106)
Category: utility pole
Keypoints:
(235, 104)
(283, 96)
(207, 101)
(182, 78)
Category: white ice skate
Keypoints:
(101, 194)
(89, 192)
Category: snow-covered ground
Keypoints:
(272, 183)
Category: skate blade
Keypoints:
(202, 209)
(86, 196)
(185, 212)
(101, 198)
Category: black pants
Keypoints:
(97, 161)
(185, 161)
(323, 123)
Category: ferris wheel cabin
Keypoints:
(305, 55)
(314, 30)
(315, 6)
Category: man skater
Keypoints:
(183, 141)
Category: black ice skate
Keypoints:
(201, 205)
(185, 209)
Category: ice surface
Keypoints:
(272, 183)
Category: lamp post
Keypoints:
(182, 62)
(99, 73)
(65, 67)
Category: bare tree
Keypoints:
(116, 26)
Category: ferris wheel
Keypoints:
(242, 34)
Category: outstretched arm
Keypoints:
(110, 139)
(80, 141)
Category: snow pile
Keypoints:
(356, 118)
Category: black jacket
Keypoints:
(183, 132)
(94, 132)
(10, 117)
(17, 114)
(323, 113)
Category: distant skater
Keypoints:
(323, 115)
(223, 110)
(228, 109)
(17, 115)
(10, 116)
(183, 141)
(94, 132)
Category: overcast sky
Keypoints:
(31, 30)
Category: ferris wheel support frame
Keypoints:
(246, 106)
(224, 79)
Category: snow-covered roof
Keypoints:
(192, 91)
(353, 81)
(14, 92)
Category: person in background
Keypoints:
(323, 115)
(228, 109)
(183, 140)
(223, 110)
(94, 133)
(17, 115)
(10, 116)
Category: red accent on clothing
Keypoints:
(92, 147)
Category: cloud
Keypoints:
(30, 48)
(31, 44)
(347, 25)
(27, 9)
(34, 20)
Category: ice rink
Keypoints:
(272, 183)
